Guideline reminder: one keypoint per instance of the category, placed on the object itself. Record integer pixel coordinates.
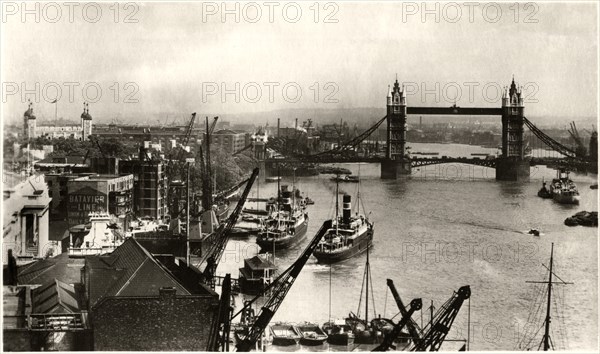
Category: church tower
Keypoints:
(86, 122)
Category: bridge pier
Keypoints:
(391, 169)
(512, 169)
(262, 170)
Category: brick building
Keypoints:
(92, 193)
(230, 141)
(149, 184)
(141, 303)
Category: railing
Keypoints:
(58, 322)
(218, 281)
(90, 251)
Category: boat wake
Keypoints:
(473, 223)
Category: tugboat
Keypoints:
(544, 192)
(286, 227)
(349, 237)
(563, 189)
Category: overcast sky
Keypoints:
(178, 58)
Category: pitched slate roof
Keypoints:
(130, 270)
(61, 267)
(55, 297)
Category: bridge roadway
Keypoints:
(425, 161)
(415, 161)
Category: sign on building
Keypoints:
(83, 202)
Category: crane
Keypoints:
(207, 200)
(413, 328)
(219, 336)
(220, 237)
(388, 340)
(436, 332)
(173, 168)
(279, 289)
(580, 150)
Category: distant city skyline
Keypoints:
(181, 58)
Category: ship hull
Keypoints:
(361, 244)
(284, 242)
(566, 199)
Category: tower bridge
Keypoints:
(512, 165)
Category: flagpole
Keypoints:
(55, 111)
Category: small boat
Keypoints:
(544, 192)
(311, 334)
(273, 179)
(594, 186)
(284, 334)
(333, 170)
(534, 232)
(346, 178)
(308, 201)
(338, 333)
(583, 218)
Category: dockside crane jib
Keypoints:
(221, 236)
(279, 289)
(413, 328)
(436, 332)
(388, 340)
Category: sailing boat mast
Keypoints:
(337, 204)
(367, 292)
(547, 329)
(546, 341)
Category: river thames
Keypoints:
(443, 227)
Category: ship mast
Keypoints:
(337, 204)
(358, 192)
(547, 329)
(367, 292)
(546, 341)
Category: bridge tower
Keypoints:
(395, 163)
(512, 165)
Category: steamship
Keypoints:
(348, 237)
(286, 227)
(563, 189)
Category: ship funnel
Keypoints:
(286, 198)
(347, 209)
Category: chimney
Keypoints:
(346, 209)
(278, 126)
(165, 293)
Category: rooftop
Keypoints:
(132, 271)
(257, 263)
(61, 267)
